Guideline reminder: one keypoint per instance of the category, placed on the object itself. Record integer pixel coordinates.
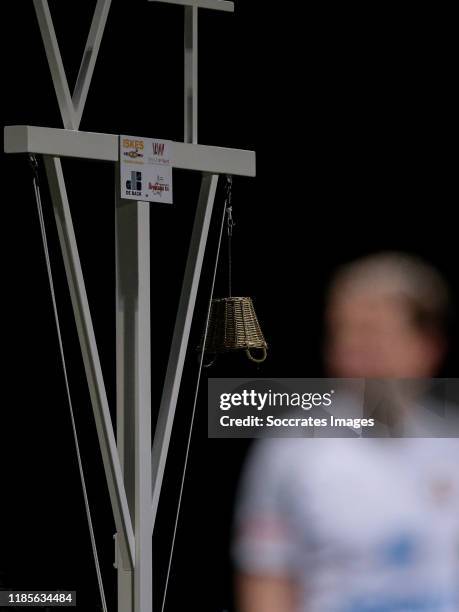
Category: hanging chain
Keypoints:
(230, 224)
(36, 185)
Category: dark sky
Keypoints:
(350, 112)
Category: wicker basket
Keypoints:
(233, 325)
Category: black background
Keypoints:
(350, 112)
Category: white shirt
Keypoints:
(363, 525)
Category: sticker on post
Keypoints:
(146, 169)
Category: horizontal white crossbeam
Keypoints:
(216, 5)
(105, 147)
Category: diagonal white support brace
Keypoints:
(90, 54)
(71, 108)
(56, 66)
(91, 360)
(181, 335)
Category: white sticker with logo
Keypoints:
(146, 169)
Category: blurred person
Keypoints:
(368, 524)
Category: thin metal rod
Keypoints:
(230, 225)
(196, 393)
(181, 335)
(67, 388)
(91, 359)
(230, 264)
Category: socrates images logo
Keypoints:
(134, 184)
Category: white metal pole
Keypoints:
(56, 65)
(90, 54)
(191, 74)
(134, 392)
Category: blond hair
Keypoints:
(401, 276)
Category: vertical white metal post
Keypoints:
(191, 74)
(134, 392)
